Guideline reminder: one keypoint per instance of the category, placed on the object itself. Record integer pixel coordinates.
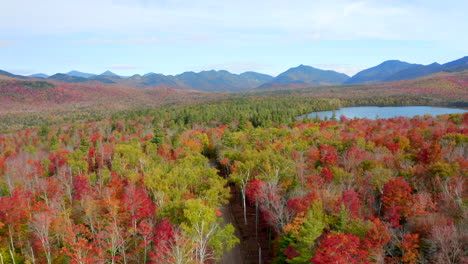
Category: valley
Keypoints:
(233, 132)
(142, 188)
(106, 173)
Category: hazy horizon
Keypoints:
(174, 36)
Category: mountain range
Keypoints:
(303, 76)
(298, 77)
(380, 72)
(395, 70)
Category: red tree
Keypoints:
(351, 201)
(328, 155)
(340, 249)
(163, 238)
(397, 200)
(326, 174)
(81, 187)
(137, 203)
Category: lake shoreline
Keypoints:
(374, 112)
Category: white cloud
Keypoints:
(305, 20)
(118, 41)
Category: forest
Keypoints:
(193, 132)
(31, 103)
(261, 110)
(148, 185)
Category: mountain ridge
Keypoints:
(39, 75)
(80, 74)
(110, 74)
(222, 80)
(17, 95)
(415, 72)
(380, 72)
(303, 75)
(406, 71)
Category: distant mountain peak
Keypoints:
(311, 69)
(380, 72)
(416, 71)
(305, 76)
(67, 78)
(109, 74)
(39, 75)
(393, 62)
(302, 66)
(8, 74)
(300, 76)
(80, 74)
(456, 65)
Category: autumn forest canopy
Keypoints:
(233, 132)
(147, 186)
(109, 174)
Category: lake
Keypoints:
(373, 112)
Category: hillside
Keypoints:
(303, 76)
(395, 70)
(425, 70)
(80, 74)
(139, 186)
(18, 95)
(416, 72)
(380, 72)
(457, 65)
(222, 80)
(39, 75)
(67, 78)
(109, 74)
(32, 102)
(443, 87)
(4, 74)
(201, 81)
(462, 62)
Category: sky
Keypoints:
(268, 36)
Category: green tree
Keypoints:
(158, 135)
(205, 229)
(314, 223)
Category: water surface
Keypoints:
(373, 112)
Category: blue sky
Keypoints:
(173, 36)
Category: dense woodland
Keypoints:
(26, 103)
(259, 110)
(140, 188)
(357, 191)
(110, 192)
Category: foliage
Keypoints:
(138, 187)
